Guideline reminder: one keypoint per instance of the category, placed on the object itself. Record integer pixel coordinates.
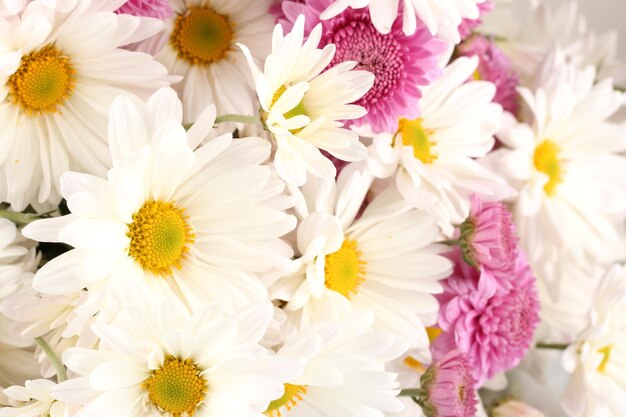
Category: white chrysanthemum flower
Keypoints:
(566, 165)
(384, 261)
(61, 320)
(528, 30)
(18, 258)
(598, 358)
(162, 361)
(442, 18)
(33, 400)
(304, 108)
(59, 74)
(343, 371)
(433, 157)
(199, 42)
(172, 221)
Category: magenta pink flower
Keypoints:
(448, 388)
(401, 64)
(494, 328)
(488, 240)
(495, 67)
(468, 25)
(159, 9)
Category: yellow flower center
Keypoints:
(176, 386)
(546, 159)
(44, 80)
(293, 394)
(344, 270)
(411, 362)
(606, 355)
(299, 110)
(159, 235)
(415, 135)
(201, 36)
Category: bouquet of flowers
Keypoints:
(310, 208)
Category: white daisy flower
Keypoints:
(59, 74)
(18, 258)
(528, 30)
(11, 7)
(199, 43)
(33, 400)
(303, 107)
(566, 165)
(598, 358)
(385, 261)
(343, 371)
(433, 157)
(441, 18)
(163, 361)
(172, 221)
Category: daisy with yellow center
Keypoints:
(305, 103)
(435, 159)
(385, 261)
(199, 43)
(192, 377)
(55, 95)
(328, 382)
(597, 358)
(168, 220)
(565, 160)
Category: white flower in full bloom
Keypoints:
(432, 157)
(384, 260)
(59, 73)
(304, 108)
(597, 359)
(343, 371)
(171, 221)
(440, 17)
(160, 360)
(565, 162)
(199, 42)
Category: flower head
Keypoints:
(494, 328)
(159, 9)
(495, 67)
(401, 64)
(488, 239)
(304, 108)
(450, 388)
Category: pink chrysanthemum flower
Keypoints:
(159, 9)
(401, 64)
(495, 67)
(448, 388)
(488, 240)
(468, 25)
(494, 328)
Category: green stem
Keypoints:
(554, 346)
(450, 242)
(56, 362)
(412, 392)
(238, 118)
(20, 218)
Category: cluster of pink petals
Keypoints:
(159, 9)
(401, 64)
(494, 328)
(468, 25)
(450, 387)
(495, 67)
(489, 241)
